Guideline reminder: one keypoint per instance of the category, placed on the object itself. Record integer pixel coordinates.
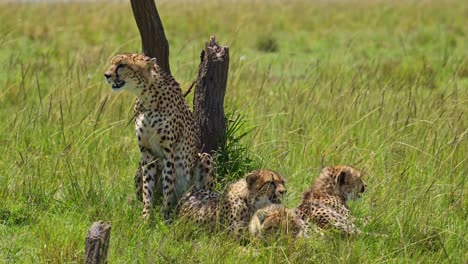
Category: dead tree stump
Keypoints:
(208, 101)
(97, 243)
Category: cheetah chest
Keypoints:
(149, 128)
(154, 132)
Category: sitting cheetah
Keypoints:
(232, 209)
(165, 130)
(325, 202)
(276, 218)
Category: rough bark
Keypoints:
(212, 76)
(153, 39)
(97, 243)
(208, 101)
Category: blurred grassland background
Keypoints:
(380, 85)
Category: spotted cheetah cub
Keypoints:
(277, 219)
(325, 203)
(165, 129)
(232, 209)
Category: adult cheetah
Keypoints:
(165, 128)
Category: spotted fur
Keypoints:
(325, 203)
(232, 209)
(166, 132)
(277, 219)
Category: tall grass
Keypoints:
(378, 85)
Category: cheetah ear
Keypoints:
(150, 62)
(327, 171)
(340, 179)
(252, 178)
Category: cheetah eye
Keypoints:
(120, 66)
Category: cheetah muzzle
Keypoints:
(116, 82)
(117, 85)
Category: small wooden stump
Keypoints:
(97, 243)
(208, 100)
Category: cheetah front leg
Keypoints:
(139, 181)
(330, 218)
(168, 181)
(148, 167)
(346, 227)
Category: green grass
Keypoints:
(379, 85)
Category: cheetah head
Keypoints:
(346, 181)
(129, 71)
(266, 184)
(278, 219)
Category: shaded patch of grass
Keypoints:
(18, 217)
(233, 158)
(267, 43)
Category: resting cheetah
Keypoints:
(275, 217)
(325, 202)
(165, 130)
(232, 209)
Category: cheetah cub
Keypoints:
(325, 203)
(277, 219)
(232, 209)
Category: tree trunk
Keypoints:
(208, 101)
(97, 243)
(151, 29)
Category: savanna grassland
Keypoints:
(379, 85)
